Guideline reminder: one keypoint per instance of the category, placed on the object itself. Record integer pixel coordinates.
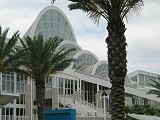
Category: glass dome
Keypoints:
(102, 70)
(84, 60)
(53, 23)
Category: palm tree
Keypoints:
(114, 11)
(8, 56)
(156, 88)
(40, 59)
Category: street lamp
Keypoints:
(104, 95)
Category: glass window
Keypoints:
(3, 111)
(55, 12)
(56, 27)
(101, 70)
(82, 61)
(53, 19)
(141, 79)
(147, 80)
(150, 81)
(75, 85)
(48, 18)
(134, 78)
(11, 111)
(17, 111)
(44, 17)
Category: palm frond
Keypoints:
(156, 88)
(3, 37)
(11, 43)
(132, 6)
(111, 10)
(42, 58)
(7, 48)
(155, 92)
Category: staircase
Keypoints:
(83, 108)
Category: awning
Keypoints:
(6, 98)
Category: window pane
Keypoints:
(141, 79)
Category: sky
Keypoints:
(142, 34)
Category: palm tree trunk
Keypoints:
(117, 61)
(40, 95)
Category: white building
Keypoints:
(79, 86)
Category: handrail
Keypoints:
(84, 108)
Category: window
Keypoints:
(147, 80)
(134, 78)
(21, 99)
(61, 86)
(141, 79)
(53, 19)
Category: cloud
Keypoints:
(144, 39)
(142, 33)
(95, 44)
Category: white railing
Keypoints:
(83, 108)
(99, 111)
(69, 103)
(11, 117)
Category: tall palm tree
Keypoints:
(114, 11)
(8, 56)
(156, 88)
(41, 58)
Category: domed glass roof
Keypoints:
(53, 23)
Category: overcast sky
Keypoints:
(143, 31)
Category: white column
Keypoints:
(97, 87)
(104, 106)
(63, 86)
(80, 86)
(53, 78)
(0, 113)
(31, 94)
(57, 86)
(14, 112)
(15, 83)
(74, 86)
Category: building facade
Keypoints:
(79, 86)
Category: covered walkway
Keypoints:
(144, 117)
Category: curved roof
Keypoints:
(101, 68)
(84, 59)
(69, 45)
(51, 22)
(64, 43)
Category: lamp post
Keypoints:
(104, 95)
